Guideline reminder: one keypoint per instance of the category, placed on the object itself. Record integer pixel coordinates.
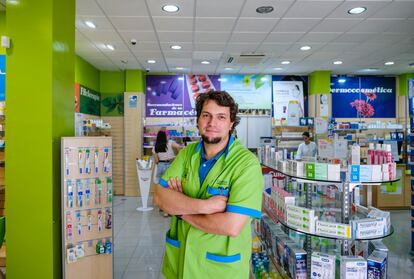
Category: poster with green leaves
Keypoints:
(112, 104)
(90, 101)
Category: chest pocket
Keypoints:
(218, 191)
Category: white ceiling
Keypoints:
(216, 29)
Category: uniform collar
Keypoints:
(226, 150)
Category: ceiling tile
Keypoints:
(123, 7)
(319, 37)
(98, 35)
(335, 25)
(145, 46)
(241, 47)
(407, 26)
(176, 62)
(376, 25)
(255, 24)
(207, 55)
(397, 10)
(170, 36)
(312, 9)
(247, 37)
(214, 24)
(198, 68)
(186, 47)
(140, 36)
(296, 25)
(177, 54)
(283, 37)
(186, 8)
(173, 23)
(101, 22)
(132, 23)
(218, 8)
(210, 37)
(88, 8)
(209, 46)
(276, 48)
(280, 8)
(354, 37)
(338, 46)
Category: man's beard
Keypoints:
(211, 140)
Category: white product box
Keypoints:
(301, 218)
(322, 266)
(333, 229)
(376, 173)
(368, 227)
(365, 173)
(321, 171)
(385, 172)
(300, 169)
(377, 213)
(334, 172)
(353, 267)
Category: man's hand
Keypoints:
(215, 204)
(175, 184)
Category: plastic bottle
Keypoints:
(378, 160)
(388, 153)
(371, 154)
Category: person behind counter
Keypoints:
(307, 148)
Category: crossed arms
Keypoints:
(207, 215)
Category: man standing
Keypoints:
(213, 188)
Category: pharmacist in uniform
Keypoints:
(307, 148)
(214, 189)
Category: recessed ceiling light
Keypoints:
(222, 79)
(228, 69)
(285, 62)
(205, 62)
(277, 69)
(90, 24)
(342, 80)
(389, 63)
(264, 9)
(369, 70)
(176, 47)
(179, 68)
(170, 8)
(110, 47)
(181, 78)
(305, 48)
(151, 61)
(357, 10)
(338, 62)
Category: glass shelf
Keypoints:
(310, 180)
(277, 220)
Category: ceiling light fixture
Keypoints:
(264, 9)
(228, 69)
(170, 8)
(339, 62)
(277, 69)
(176, 47)
(151, 61)
(179, 68)
(205, 62)
(357, 10)
(389, 63)
(110, 47)
(305, 48)
(90, 24)
(342, 80)
(285, 62)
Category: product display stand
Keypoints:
(306, 200)
(411, 157)
(144, 178)
(87, 192)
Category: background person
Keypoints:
(307, 148)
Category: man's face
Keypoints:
(214, 122)
(306, 139)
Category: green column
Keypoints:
(40, 105)
(320, 82)
(134, 81)
(403, 83)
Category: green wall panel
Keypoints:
(112, 104)
(39, 112)
(403, 83)
(320, 82)
(86, 74)
(112, 82)
(134, 81)
(3, 30)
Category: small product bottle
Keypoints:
(371, 154)
(378, 160)
(388, 154)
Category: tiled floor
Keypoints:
(140, 236)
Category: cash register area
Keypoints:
(140, 238)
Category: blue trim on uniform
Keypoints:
(173, 242)
(244, 210)
(218, 191)
(223, 259)
(163, 183)
(231, 140)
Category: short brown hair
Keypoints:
(222, 98)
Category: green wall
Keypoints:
(86, 74)
(40, 77)
(112, 82)
(134, 81)
(320, 82)
(403, 83)
(3, 29)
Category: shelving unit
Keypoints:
(336, 208)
